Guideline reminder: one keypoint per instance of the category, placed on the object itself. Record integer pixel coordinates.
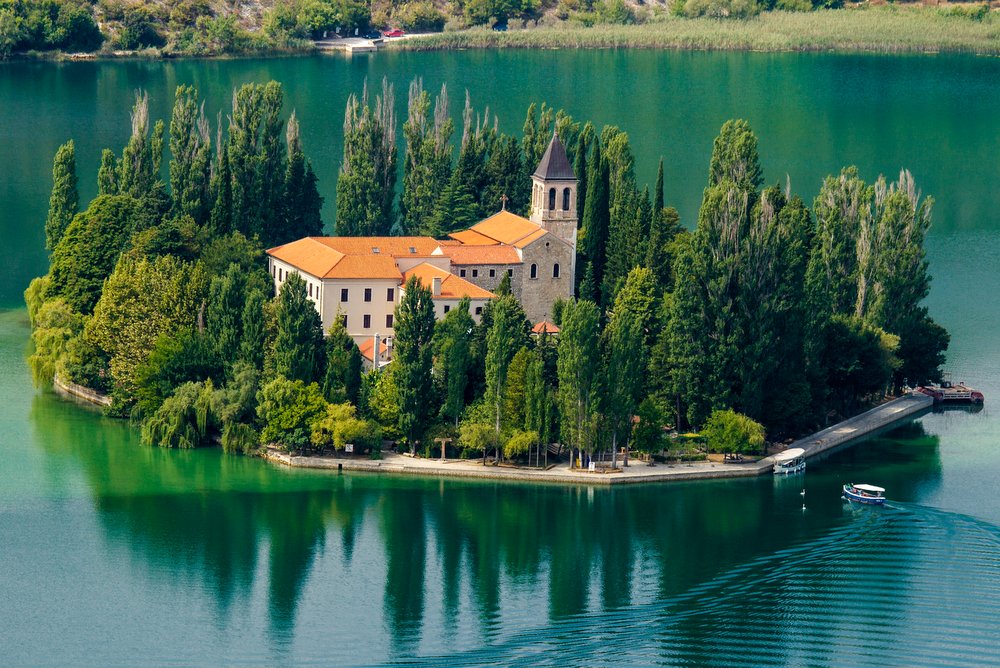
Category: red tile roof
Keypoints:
(545, 326)
(463, 255)
(509, 228)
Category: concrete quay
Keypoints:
(866, 424)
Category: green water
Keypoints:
(115, 554)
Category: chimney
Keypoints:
(436, 286)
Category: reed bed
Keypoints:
(872, 29)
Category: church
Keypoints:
(361, 279)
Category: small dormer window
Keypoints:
(375, 250)
(413, 251)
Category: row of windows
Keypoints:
(281, 275)
(475, 273)
(479, 309)
(390, 294)
(567, 193)
(366, 321)
(533, 271)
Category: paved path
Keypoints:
(867, 423)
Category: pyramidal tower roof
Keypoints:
(555, 164)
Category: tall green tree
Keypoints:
(579, 370)
(89, 249)
(453, 359)
(221, 220)
(302, 201)
(224, 313)
(65, 200)
(191, 156)
(138, 169)
(367, 183)
(427, 160)
(506, 180)
(506, 335)
(298, 343)
(735, 158)
(413, 358)
(595, 225)
(254, 342)
(342, 380)
(107, 175)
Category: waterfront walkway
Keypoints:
(866, 424)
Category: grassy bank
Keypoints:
(875, 29)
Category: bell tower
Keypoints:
(553, 193)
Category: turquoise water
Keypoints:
(115, 554)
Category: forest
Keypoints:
(765, 317)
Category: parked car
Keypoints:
(393, 32)
(500, 27)
(371, 33)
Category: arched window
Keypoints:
(552, 199)
(555, 270)
(565, 199)
(534, 271)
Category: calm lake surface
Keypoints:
(116, 554)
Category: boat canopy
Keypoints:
(794, 453)
(869, 488)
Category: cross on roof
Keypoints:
(503, 202)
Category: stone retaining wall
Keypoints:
(80, 392)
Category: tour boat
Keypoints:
(950, 393)
(862, 493)
(790, 461)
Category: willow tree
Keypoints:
(64, 200)
(366, 186)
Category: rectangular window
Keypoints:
(390, 294)
(368, 294)
(461, 273)
(366, 321)
(279, 275)
(388, 320)
(343, 294)
(510, 272)
(479, 310)
(310, 289)
(475, 273)
(343, 321)
(447, 307)
(493, 273)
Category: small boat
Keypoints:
(862, 493)
(952, 393)
(790, 461)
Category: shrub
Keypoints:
(729, 431)
(420, 16)
(519, 443)
(722, 9)
(288, 409)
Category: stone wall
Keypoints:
(538, 294)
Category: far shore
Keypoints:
(884, 30)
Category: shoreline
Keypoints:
(869, 423)
(884, 30)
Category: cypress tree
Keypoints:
(453, 359)
(595, 222)
(224, 313)
(413, 358)
(298, 344)
(222, 192)
(342, 380)
(254, 340)
(505, 176)
(272, 167)
(64, 200)
(658, 190)
(580, 169)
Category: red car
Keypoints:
(395, 32)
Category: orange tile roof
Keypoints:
(452, 287)
(385, 245)
(310, 255)
(462, 255)
(507, 228)
(544, 326)
(524, 241)
(368, 346)
(352, 257)
(472, 238)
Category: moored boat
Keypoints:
(789, 462)
(863, 493)
(952, 393)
